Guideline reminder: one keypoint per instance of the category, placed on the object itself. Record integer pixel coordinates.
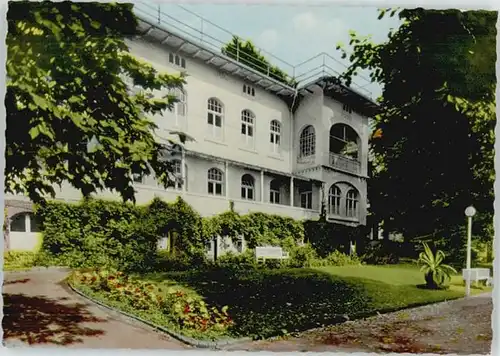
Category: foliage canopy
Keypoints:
(433, 141)
(71, 116)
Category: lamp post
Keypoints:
(469, 212)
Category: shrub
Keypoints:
(337, 258)
(381, 252)
(193, 313)
(96, 233)
(241, 261)
(186, 312)
(18, 260)
(117, 235)
(302, 256)
(327, 237)
(180, 261)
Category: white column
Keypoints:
(291, 191)
(262, 186)
(323, 197)
(226, 183)
(183, 171)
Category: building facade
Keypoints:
(260, 143)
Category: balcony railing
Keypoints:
(306, 159)
(345, 163)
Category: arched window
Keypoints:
(215, 118)
(352, 203)
(24, 222)
(247, 127)
(274, 191)
(247, 187)
(307, 142)
(344, 141)
(334, 200)
(215, 182)
(275, 136)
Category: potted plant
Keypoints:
(435, 271)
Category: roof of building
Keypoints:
(201, 49)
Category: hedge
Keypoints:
(124, 236)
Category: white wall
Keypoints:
(309, 112)
(204, 82)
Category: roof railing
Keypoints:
(214, 37)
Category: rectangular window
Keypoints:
(177, 60)
(239, 244)
(306, 200)
(274, 197)
(247, 193)
(275, 142)
(214, 188)
(248, 90)
(346, 108)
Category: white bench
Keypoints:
(477, 274)
(263, 253)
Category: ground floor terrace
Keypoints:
(209, 183)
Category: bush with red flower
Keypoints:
(186, 311)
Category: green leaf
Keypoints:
(34, 132)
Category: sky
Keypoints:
(292, 33)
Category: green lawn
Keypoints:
(268, 302)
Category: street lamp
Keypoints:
(469, 212)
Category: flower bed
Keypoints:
(171, 308)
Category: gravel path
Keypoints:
(42, 311)
(460, 327)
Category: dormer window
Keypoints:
(248, 90)
(177, 60)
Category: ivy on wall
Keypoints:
(125, 236)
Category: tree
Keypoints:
(433, 140)
(246, 53)
(68, 71)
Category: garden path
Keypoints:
(460, 326)
(41, 311)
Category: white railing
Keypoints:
(306, 159)
(345, 163)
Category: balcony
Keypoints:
(345, 163)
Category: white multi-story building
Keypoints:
(260, 143)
